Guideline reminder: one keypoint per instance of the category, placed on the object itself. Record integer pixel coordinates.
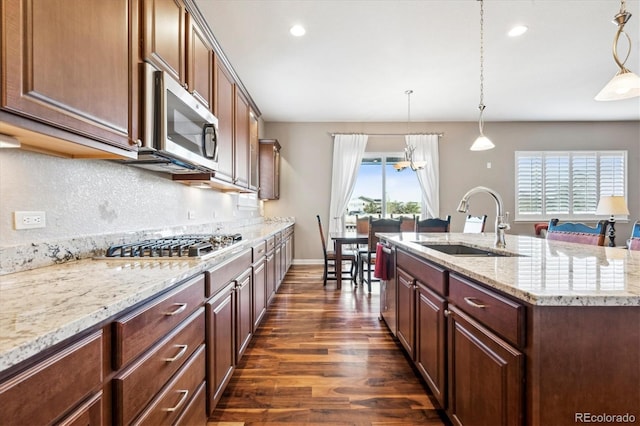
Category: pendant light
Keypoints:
(482, 143)
(409, 150)
(624, 84)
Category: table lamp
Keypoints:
(612, 205)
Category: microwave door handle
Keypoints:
(214, 137)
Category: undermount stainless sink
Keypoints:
(462, 250)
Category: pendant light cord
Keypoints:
(481, 106)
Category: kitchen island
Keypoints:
(539, 332)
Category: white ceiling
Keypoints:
(359, 56)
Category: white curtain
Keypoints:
(347, 156)
(426, 149)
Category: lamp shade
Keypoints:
(624, 85)
(612, 205)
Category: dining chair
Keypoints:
(369, 258)
(574, 232)
(330, 267)
(474, 224)
(634, 241)
(407, 223)
(433, 224)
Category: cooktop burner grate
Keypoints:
(179, 246)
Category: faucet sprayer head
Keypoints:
(463, 207)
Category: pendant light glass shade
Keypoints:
(482, 143)
(625, 84)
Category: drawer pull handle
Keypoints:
(184, 393)
(181, 308)
(180, 354)
(470, 301)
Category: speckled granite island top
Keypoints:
(539, 271)
(45, 306)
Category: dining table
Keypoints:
(341, 239)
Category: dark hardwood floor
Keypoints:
(321, 356)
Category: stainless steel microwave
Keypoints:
(180, 134)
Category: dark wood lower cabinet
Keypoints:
(220, 343)
(406, 311)
(259, 291)
(431, 341)
(486, 375)
(244, 323)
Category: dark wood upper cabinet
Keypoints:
(223, 110)
(269, 169)
(241, 140)
(72, 65)
(164, 36)
(199, 65)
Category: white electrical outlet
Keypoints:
(29, 220)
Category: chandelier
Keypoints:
(409, 150)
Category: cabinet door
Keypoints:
(431, 340)
(485, 375)
(223, 110)
(269, 153)
(164, 31)
(253, 151)
(68, 63)
(406, 311)
(220, 312)
(271, 277)
(244, 323)
(241, 140)
(259, 292)
(199, 64)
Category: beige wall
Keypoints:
(307, 151)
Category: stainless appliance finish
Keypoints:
(180, 133)
(179, 246)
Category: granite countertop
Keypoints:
(42, 307)
(539, 271)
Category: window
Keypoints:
(381, 190)
(566, 184)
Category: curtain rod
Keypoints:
(440, 134)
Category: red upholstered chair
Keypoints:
(433, 224)
(577, 232)
(634, 242)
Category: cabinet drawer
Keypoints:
(259, 250)
(271, 243)
(137, 331)
(136, 386)
(195, 412)
(502, 315)
(221, 275)
(87, 414)
(47, 390)
(171, 402)
(433, 276)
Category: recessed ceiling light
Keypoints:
(297, 31)
(518, 30)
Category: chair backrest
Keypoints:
(474, 224)
(324, 243)
(433, 224)
(381, 225)
(407, 223)
(362, 225)
(634, 242)
(577, 232)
